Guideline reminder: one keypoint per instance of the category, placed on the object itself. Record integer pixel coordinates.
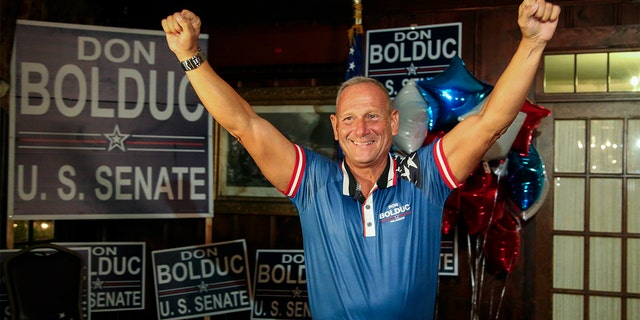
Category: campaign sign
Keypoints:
(280, 285)
(397, 55)
(449, 254)
(104, 124)
(202, 280)
(116, 275)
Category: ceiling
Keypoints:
(137, 14)
(250, 12)
(216, 13)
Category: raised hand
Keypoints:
(538, 19)
(182, 30)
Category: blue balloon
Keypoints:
(526, 177)
(433, 108)
(456, 92)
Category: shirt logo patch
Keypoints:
(395, 212)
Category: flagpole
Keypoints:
(357, 15)
(357, 6)
(355, 62)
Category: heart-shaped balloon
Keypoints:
(479, 195)
(502, 244)
(526, 215)
(526, 178)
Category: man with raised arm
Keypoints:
(371, 223)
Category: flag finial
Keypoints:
(357, 11)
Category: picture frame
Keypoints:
(301, 113)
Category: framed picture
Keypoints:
(300, 113)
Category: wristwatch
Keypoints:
(194, 61)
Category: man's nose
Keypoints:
(362, 127)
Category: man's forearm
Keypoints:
(515, 82)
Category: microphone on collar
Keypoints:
(358, 196)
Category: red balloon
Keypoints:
(502, 244)
(451, 212)
(479, 195)
(535, 114)
(432, 136)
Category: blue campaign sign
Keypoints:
(202, 280)
(395, 56)
(104, 124)
(280, 285)
(116, 275)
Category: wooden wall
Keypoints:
(306, 53)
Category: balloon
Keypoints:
(456, 92)
(451, 213)
(498, 167)
(502, 244)
(475, 109)
(502, 146)
(479, 196)
(433, 109)
(535, 114)
(413, 122)
(526, 175)
(525, 215)
(433, 136)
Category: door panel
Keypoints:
(589, 227)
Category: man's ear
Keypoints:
(334, 126)
(395, 118)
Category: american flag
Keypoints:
(355, 62)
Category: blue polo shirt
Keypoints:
(375, 257)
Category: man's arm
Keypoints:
(466, 143)
(271, 150)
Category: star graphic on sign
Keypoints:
(62, 315)
(202, 287)
(116, 139)
(412, 69)
(97, 284)
(295, 293)
(352, 65)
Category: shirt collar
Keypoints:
(350, 186)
